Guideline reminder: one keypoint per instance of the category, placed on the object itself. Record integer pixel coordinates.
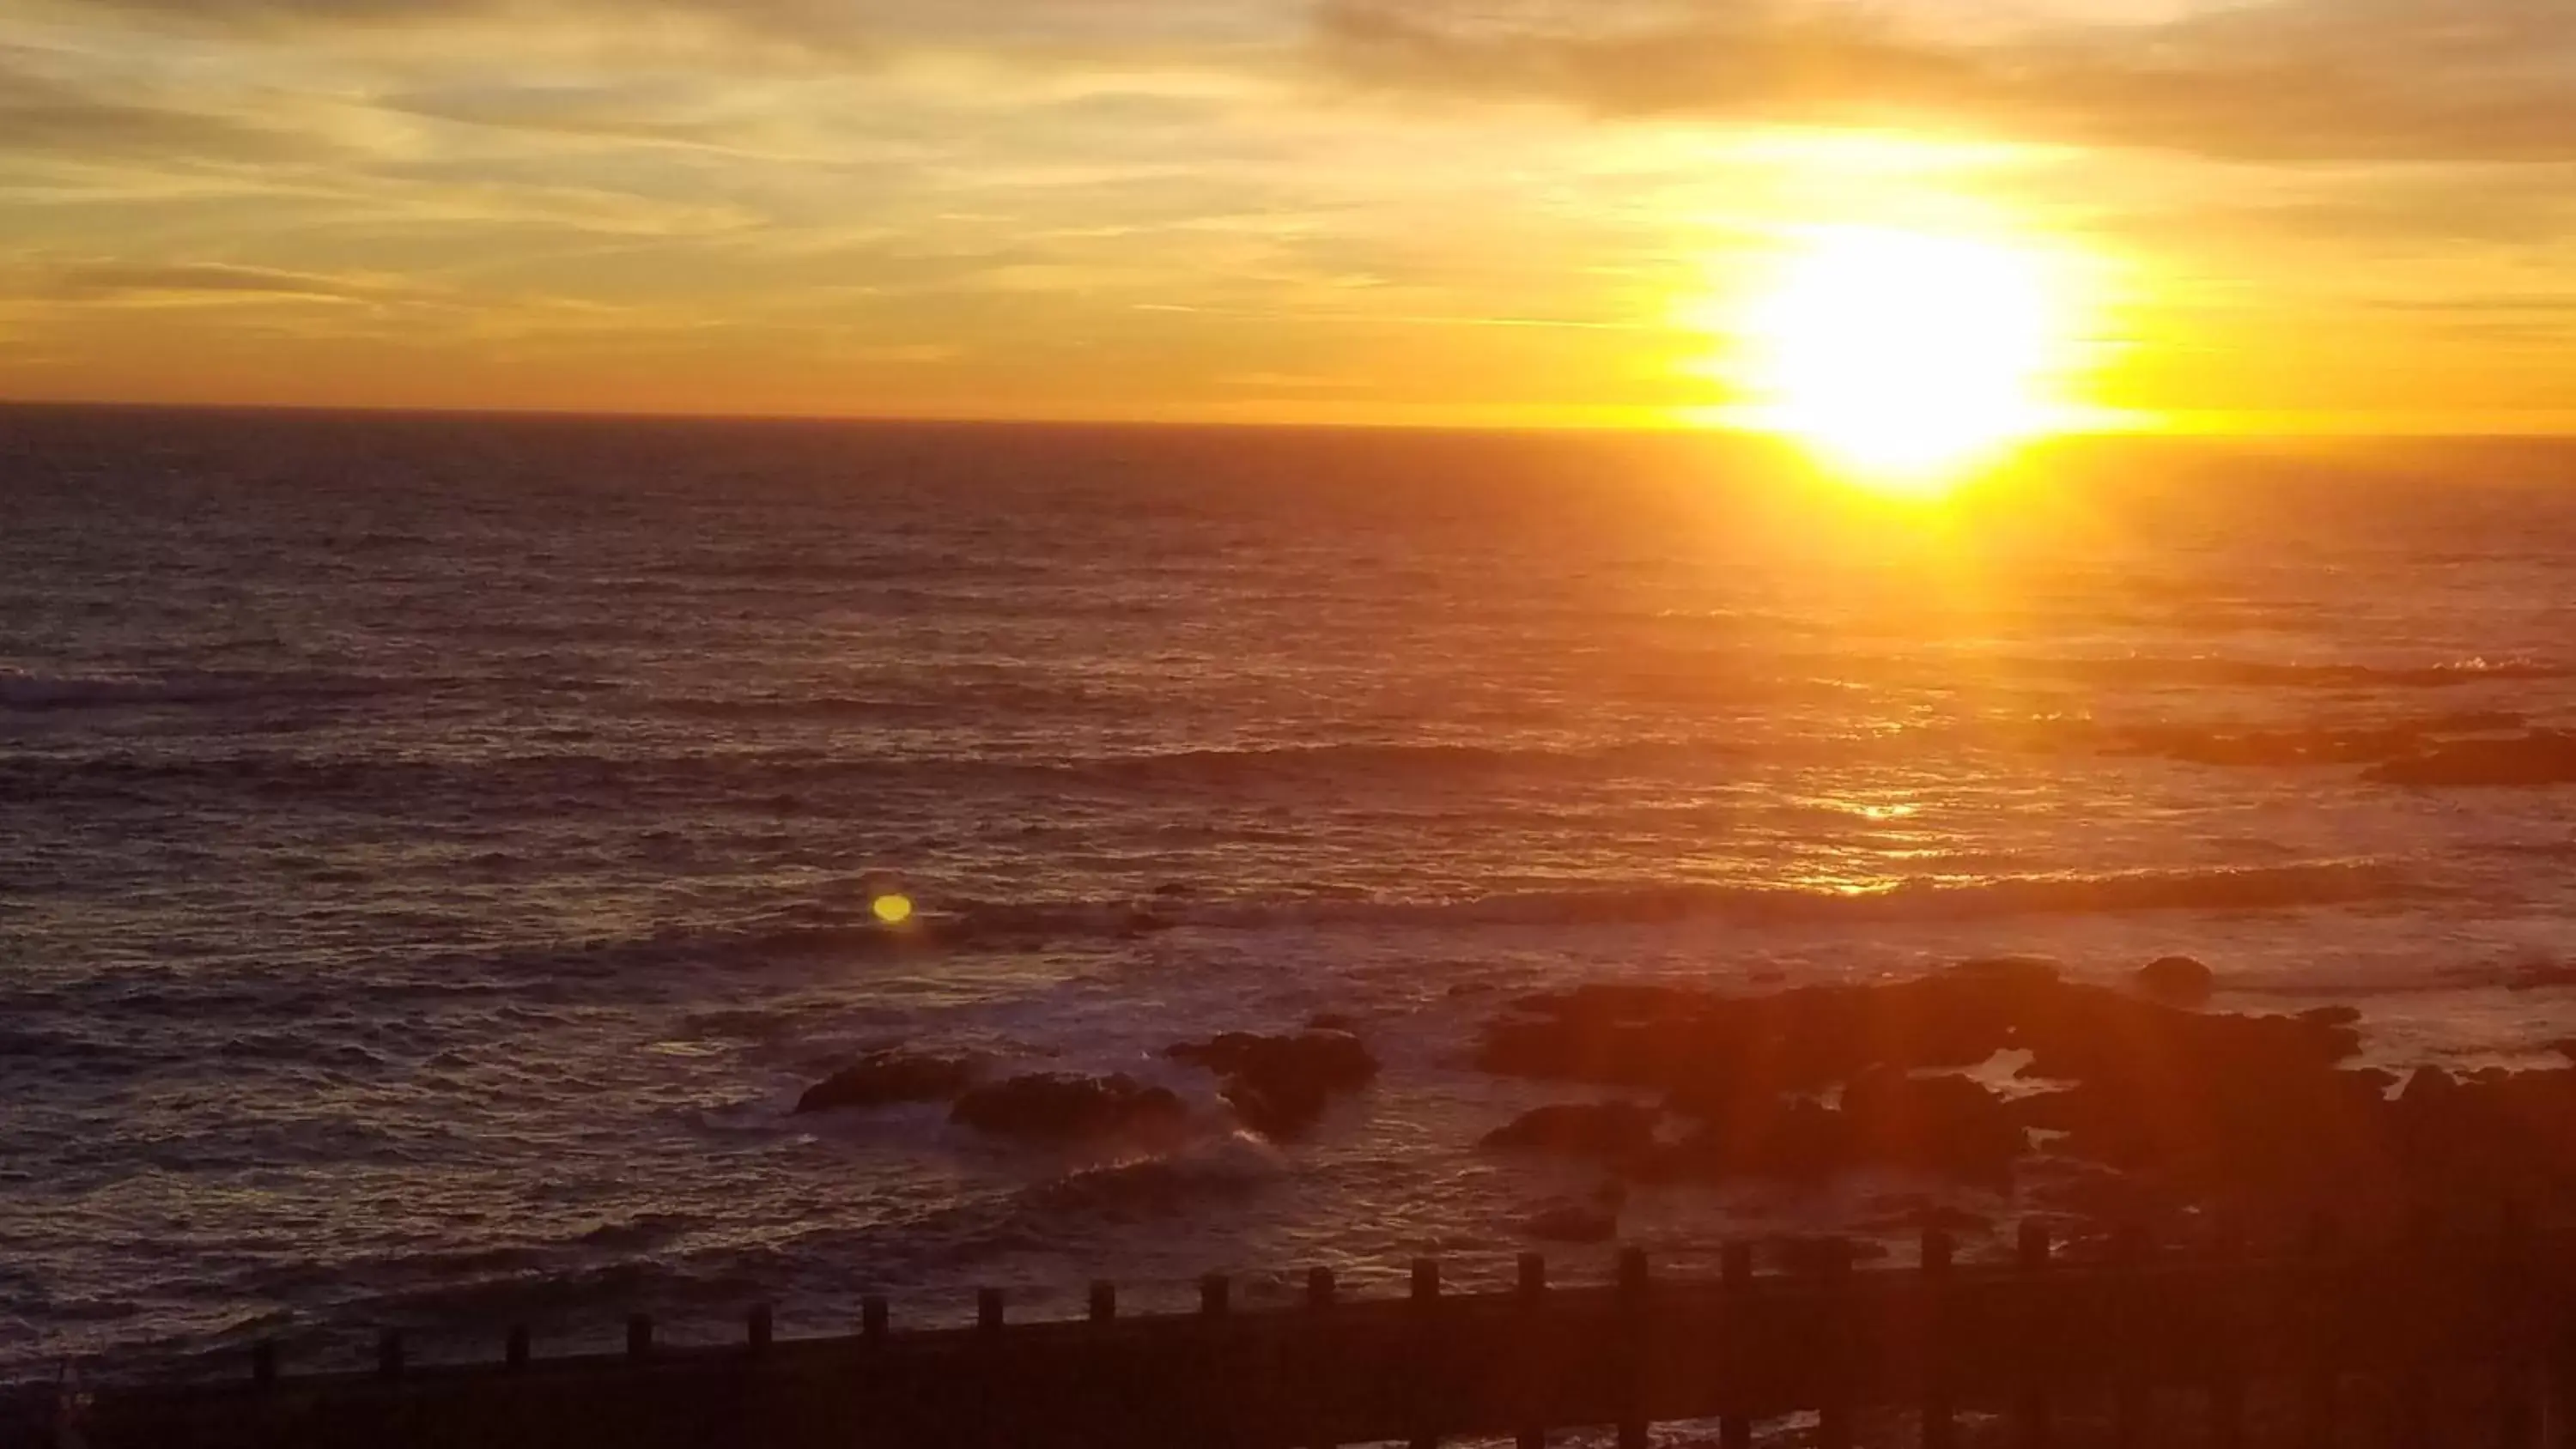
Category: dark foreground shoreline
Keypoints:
(2209, 1203)
(2435, 1337)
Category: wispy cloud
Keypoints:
(2288, 80)
(125, 281)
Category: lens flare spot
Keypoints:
(893, 908)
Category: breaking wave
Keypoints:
(972, 925)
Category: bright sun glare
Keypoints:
(1904, 359)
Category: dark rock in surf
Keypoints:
(888, 1077)
(2177, 980)
(2155, 1087)
(1280, 1085)
(1330, 1058)
(1572, 1223)
(1281, 1110)
(1580, 1129)
(1918, 1214)
(1046, 1107)
(2429, 1087)
(1950, 1126)
(2540, 758)
(1809, 1255)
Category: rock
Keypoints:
(1280, 1085)
(2176, 980)
(2429, 1086)
(1573, 1223)
(1799, 1141)
(1812, 1255)
(1331, 1021)
(1046, 1107)
(2539, 758)
(1580, 1129)
(2200, 1098)
(1281, 1110)
(1951, 1126)
(1923, 1215)
(1336, 1060)
(1711, 1052)
(882, 1078)
(2541, 978)
(1141, 923)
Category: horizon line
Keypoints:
(2323, 428)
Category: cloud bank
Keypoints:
(2292, 80)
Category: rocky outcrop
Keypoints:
(1046, 1107)
(2176, 980)
(884, 1078)
(2542, 757)
(1280, 1085)
(2152, 1112)
(1608, 1130)
(1945, 1126)
(1573, 1222)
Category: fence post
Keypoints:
(1320, 1293)
(759, 1329)
(988, 1310)
(1104, 1302)
(1216, 1295)
(1533, 1306)
(1636, 1311)
(514, 1349)
(2559, 1334)
(1735, 1281)
(875, 1318)
(639, 1337)
(1940, 1415)
(2418, 1241)
(2319, 1253)
(1426, 1337)
(2226, 1428)
(2034, 1426)
(2517, 1422)
(263, 1363)
(1834, 1413)
(389, 1354)
(2129, 1253)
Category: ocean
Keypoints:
(435, 852)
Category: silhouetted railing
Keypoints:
(2415, 1341)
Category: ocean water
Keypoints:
(435, 852)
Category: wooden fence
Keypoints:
(2412, 1342)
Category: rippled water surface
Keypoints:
(434, 853)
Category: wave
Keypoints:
(1001, 926)
(27, 691)
(2278, 747)
(2219, 888)
(1222, 1168)
(595, 781)
(1939, 667)
(2139, 669)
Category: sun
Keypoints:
(1904, 359)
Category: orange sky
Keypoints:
(2300, 213)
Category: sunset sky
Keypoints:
(2303, 213)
